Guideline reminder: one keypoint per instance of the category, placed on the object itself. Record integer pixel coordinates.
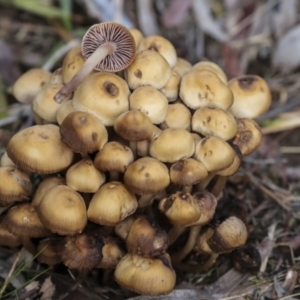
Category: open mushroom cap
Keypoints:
(29, 84)
(146, 276)
(214, 121)
(84, 177)
(182, 66)
(203, 88)
(252, 96)
(148, 68)
(210, 66)
(39, 149)
(15, 185)
(104, 95)
(112, 203)
(168, 146)
(146, 175)
(151, 102)
(83, 132)
(63, 211)
(162, 46)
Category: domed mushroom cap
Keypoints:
(146, 238)
(172, 144)
(182, 66)
(148, 68)
(146, 276)
(137, 35)
(83, 132)
(171, 89)
(39, 149)
(252, 96)
(146, 175)
(151, 102)
(248, 137)
(210, 66)
(202, 88)
(214, 153)
(104, 32)
(23, 220)
(162, 46)
(114, 157)
(112, 203)
(84, 177)
(214, 121)
(44, 186)
(103, 95)
(15, 185)
(72, 63)
(29, 84)
(63, 211)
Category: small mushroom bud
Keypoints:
(171, 89)
(146, 238)
(146, 276)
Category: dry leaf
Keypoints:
(47, 289)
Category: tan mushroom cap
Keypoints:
(210, 66)
(63, 211)
(44, 105)
(248, 137)
(214, 153)
(180, 208)
(123, 227)
(23, 221)
(104, 95)
(169, 145)
(137, 35)
(162, 46)
(182, 66)
(146, 175)
(187, 172)
(83, 132)
(178, 116)
(8, 239)
(63, 110)
(29, 84)
(252, 96)
(15, 185)
(148, 68)
(73, 61)
(214, 121)
(171, 89)
(56, 77)
(146, 276)
(151, 102)
(146, 238)
(233, 168)
(49, 251)
(39, 149)
(112, 203)
(202, 88)
(44, 186)
(84, 177)
(114, 157)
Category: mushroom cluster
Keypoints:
(133, 146)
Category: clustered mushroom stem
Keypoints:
(133, 147)
(28, 245)
(145, 200)
(89, 65)
(113, 176)
(188, 247)
(219, 185)
(201, 186)
(174, 233)
(187, 188)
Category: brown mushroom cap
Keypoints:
(210, 66)
(29, 84)
(15, 185)
(252, 96)
(112, 203)
(39, 149)
(83, 132)
(146, 175)
(63, 211)
(146, 276)
(104, 95)
(7, 238)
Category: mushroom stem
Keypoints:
(113, 176)
(174, 233)
(201, 186)
(89, 65)
(133, 147)
(188, 247)
(145, 200)
(28, 245)
(219, 185)
(187, 189)
(199, 267)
